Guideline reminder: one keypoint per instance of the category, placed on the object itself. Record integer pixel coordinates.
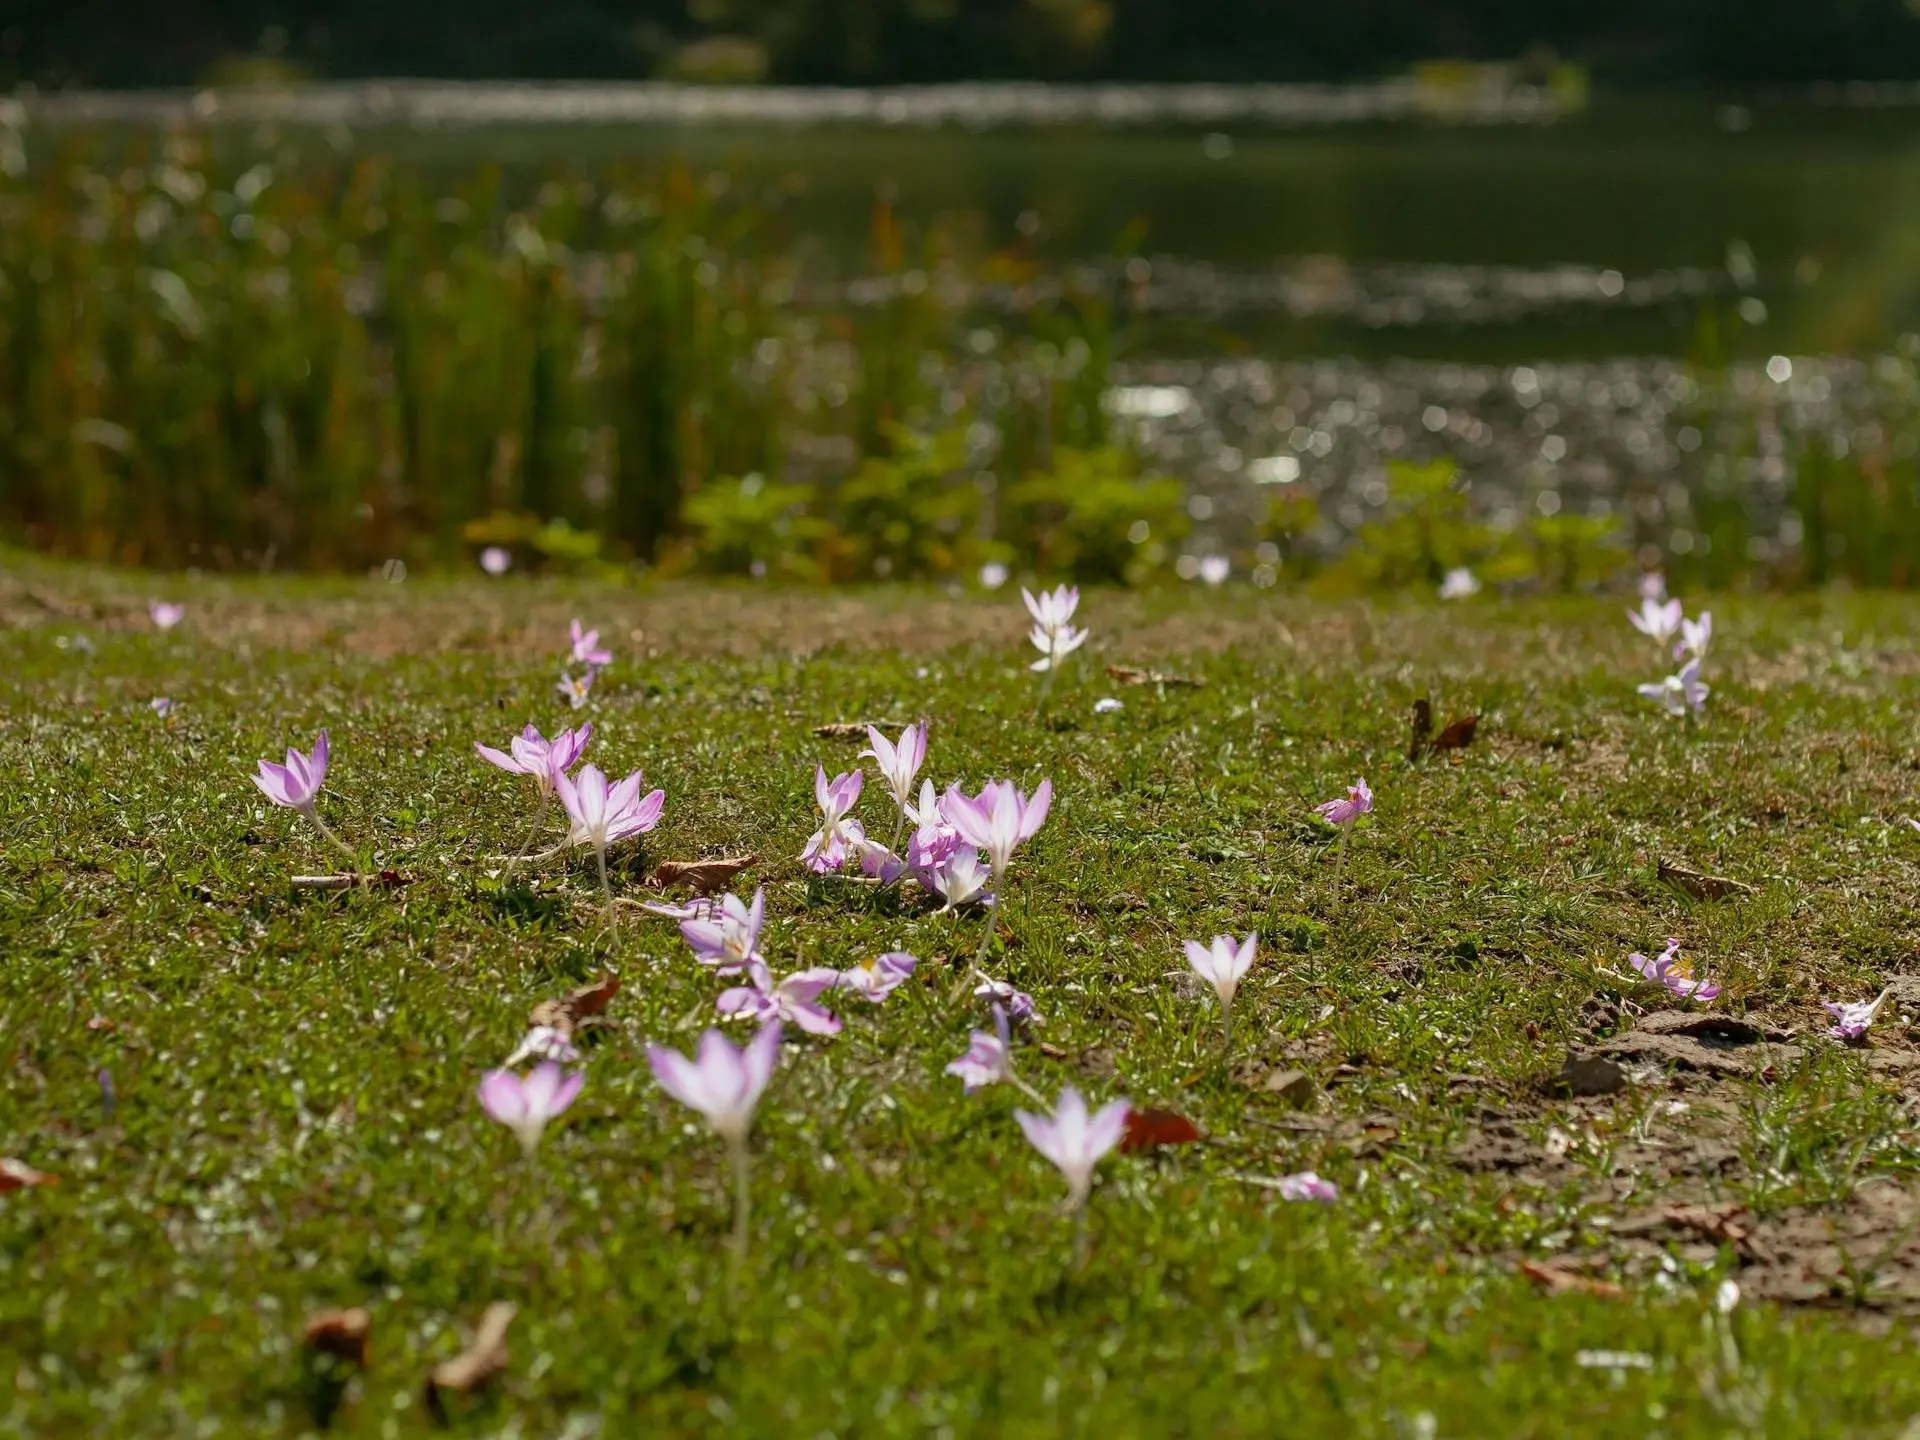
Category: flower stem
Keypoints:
(313, 814)
(1027, 1090)
(606, 890)
(1226, 1025)
(539, 819)
(742, 1195)
(1340, 867)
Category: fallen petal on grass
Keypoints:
(484, 1358)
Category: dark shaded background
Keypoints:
(1646, 42)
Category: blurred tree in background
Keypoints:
(138, 42)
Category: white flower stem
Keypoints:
(606, 890)
(1226, 1024)
(1340, 867)
(312, 813)
(1027, 1090)
(742, 1160)
(539, 819)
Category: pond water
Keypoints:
(1311, 301)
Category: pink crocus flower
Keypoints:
(161, 706)
(1653, 586)
(603, 815)
(730, 940)
(496, 560)
(960, 879)
(989, 1058)
(1680, 695)
(1694, 636)
(586, 649)
(879, 977)
(1222, 965)
(723, 1083)
(1053, 634)
(898, 763)
(1658, 620)
(1675, 974)
(997, 820)
(1307, 1186)
(525, 1106)
(164, 614)
(827, 850)
(933, 839)
(877, 862)
(297, 783)
(1851, 1021)
(575, 692)
(1074, 1140)
(529, 753)
(1018, 1003)
(1341, 813)
(792, 1001)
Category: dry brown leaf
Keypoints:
(1719, 1223)
(1556, 1280)
(566, 1013)
(703, 877)
(854, 729)
(1698, 884)
(1458, 735)
(485, 1358)
(340, 1332)
(18, 1175)
(1422, 728)
(1134, 675)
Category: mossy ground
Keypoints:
(260, 1102)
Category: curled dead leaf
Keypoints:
(1151, 1129)
(1555, 1280)
(1699, 884)
(703, 877)
(473, 1367)
(566, 1013)
(1456, 736)
(18, 1175)
(1134, 675)
(343, 1333)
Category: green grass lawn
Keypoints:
(259, 1102)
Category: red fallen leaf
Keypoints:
(18, 1175)
(1150, 1129)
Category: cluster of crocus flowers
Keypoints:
(1665, 622)
(1673, 974)
(1682, 695)
(525, 1104)
(584, 649)
(725, 1085)
(296, 785)
(1053, 634)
